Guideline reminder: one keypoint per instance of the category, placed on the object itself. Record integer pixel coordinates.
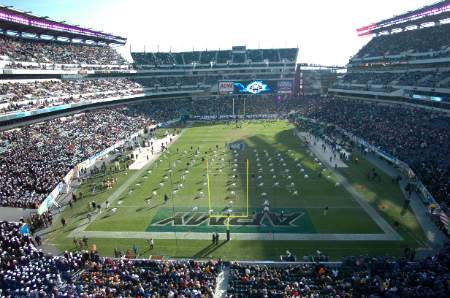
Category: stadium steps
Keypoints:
(398, 92)
(222, 283)
(425, 78)
(444, 83)
(214, 88)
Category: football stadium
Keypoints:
(244, 171)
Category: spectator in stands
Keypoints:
(55, 52)
(35, 158)
(26, 271)
(17, 95)
(419, 137)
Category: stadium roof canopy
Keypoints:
(21, 21)
(430, 13)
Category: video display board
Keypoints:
(256, 87)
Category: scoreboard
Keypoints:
(256, 87)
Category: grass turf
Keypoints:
(138, 205)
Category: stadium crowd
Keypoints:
(171, 81)
(434, 38)
(432, 79)
(197, 80)
(422, 141)
(169, 59)
(36, 222)
(106, 277)
(40, 51)
(355, 277)
(26, 271)
(54, 146)
(164, 110)
(35, 158)
(16, 95)
(416, 136)
(404, 60)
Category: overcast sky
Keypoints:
(324, 30)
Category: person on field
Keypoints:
(166, 198)
(85, 240)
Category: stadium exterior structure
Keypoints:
(163, 75)
(21, 23)
(169, 81)
(429, 13)
(411, 72)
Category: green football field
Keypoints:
(267, 165)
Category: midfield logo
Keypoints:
(191, 219)
(237, 146)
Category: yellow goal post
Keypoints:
(217, 215)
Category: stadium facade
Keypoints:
(157, 75)
(72, 109)
(407, 60)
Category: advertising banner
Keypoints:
(226, 87)
(285, 86)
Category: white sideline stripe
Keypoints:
(286, 210)
(238, 236)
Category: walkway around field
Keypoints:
(316, 148)
(118, 192)
(144, 154)
(14, 213)
(222, 283)
(435, 237)
(315, 144)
